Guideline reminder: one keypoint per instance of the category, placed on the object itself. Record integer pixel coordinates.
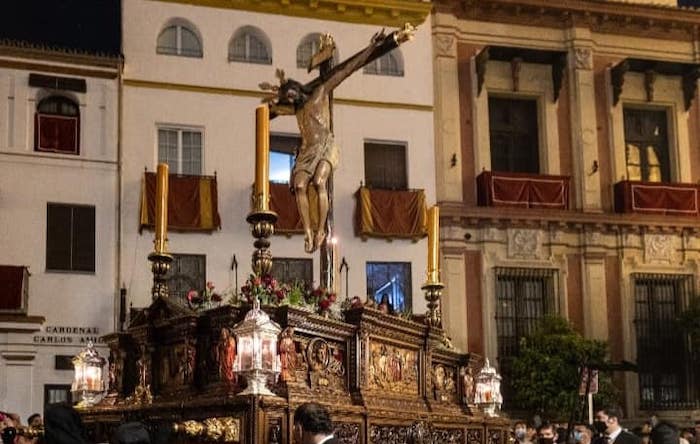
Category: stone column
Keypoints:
(595, 301)
(447, 112)
(583, 122)
(454, 297)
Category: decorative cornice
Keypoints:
(652, 21)
(261, 94)
(374, 12)
(24, 49)
(457, 214)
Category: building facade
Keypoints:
(59, 184)
(191, 81)
(567, 170)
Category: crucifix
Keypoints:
(317, 157)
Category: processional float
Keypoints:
(235, 373)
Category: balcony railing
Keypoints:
(520, 190)
(675, 199)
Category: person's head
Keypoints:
(520, 430)
(546, 433)
(583, 434)
(35, 420)
(607, 420)
(293, 93)
(311, 421)
(664, 433)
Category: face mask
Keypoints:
(577, 436)
(545, 440)
(520, 434)
(599, 426)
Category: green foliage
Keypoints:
(545, 375)
(296, 294)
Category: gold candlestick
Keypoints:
(433, 287)
(161, 242)
(434, 244)
(160, 259)
(261, 197)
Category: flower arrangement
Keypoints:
(265, 288)
(204, 299)
(322, 298)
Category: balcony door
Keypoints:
(514, 135)
(646, 145)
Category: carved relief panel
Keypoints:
(392, 368)
(347, 432)
(658, 248)
(326, 364)
(525, 243)
(443, 383)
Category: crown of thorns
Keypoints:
(267, 86)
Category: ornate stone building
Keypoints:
(567, 156)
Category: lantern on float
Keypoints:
(88, 383)
(487, 394)
(257, 360)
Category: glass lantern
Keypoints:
(487, 394)
(257, 358)
(88, 383)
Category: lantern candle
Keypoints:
(161, 209)
(262, 158)
(433, 244)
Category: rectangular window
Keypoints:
(63, 362)
(390, 281)
(181, 149)
(523, 297)
(289, 270)
(70, 237)
(513, 132)
(56, 393)
(385, 165)
(282, 151)
(187, 272)
(663, 356)
(646, 145)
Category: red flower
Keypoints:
(210, 285)
(216, 297)
(324, 303)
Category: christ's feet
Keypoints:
(309, 242)
(318, 240)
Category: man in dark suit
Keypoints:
(313, 425)
(607, 423)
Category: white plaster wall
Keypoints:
(229, 141)
(28, 181)
(143, 21)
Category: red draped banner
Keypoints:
(192, 203)
(678, 199)
(13, 288)
(495, 189)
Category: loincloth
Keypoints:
(309, 157)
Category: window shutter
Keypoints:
(84, 238)
(58, 237)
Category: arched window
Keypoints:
(250, 45)
(179, 38)
(307, 48)
(390, 64)
(57, 126)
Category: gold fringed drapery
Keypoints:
(192, 203)
(388, 213)
(283, 202)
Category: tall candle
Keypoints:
(161, 208)
(262, 158)
(433, 244)
(336, 266)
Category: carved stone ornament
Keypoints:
(524, 243)
(658, 248)
(445, 45)
(583, 58)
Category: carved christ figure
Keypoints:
(317, 156)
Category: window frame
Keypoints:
(173, 273)
(72, 267)
(399, 183)
(180, 129)
(535, 150)
(39, 116)
(281, 278)
(284, 143)
(381, 66)
(250, 32)
(408, 290)
(179, 25)
(55, 387)
(665, 160)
